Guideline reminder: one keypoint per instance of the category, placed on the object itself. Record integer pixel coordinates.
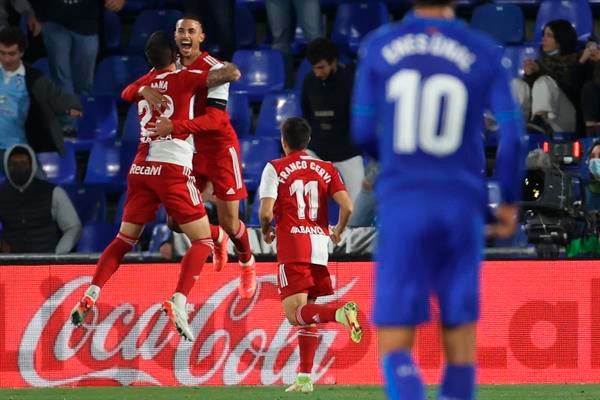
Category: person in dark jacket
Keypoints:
(30, 103)
(326, 94)
(36, 216)
(550, 91)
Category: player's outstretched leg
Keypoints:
(191, 266)
(107, 265)
(346, 315)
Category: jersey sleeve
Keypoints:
(363, 123)
(130, 93)
(268, 183)
(337, 183)
(214, 119)
(511, 147)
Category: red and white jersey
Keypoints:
(179, 87)
(301, 185)
(226, 136)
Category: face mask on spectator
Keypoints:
(21, 175)
(594, 167)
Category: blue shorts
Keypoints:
(428, 247)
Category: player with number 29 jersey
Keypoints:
(421, 90)
(301, 185)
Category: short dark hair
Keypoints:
(11, 36)
(321, 49)
(432, 3)
(160, 50)
(296, 133)
(193, 17)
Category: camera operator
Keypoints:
(592, 190)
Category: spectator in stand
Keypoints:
(364, 206)
(550, 91)
(326, 94)
(279, 13)
(592, 190)
(70, 29)
(23, 7)
(36, 216)
(30, 103)
(590, 94)
(218, 20)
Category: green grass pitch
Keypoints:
(322, 392)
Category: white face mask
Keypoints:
(594, 167)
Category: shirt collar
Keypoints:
(18, 71)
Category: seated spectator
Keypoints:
(31, 104)
(592, 190)
(325, 97)
(23, 7)
(590, 94)
(36, 216)
(550, 91)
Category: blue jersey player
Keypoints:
(421, 90)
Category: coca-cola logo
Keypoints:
(127, 344)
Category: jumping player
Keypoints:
(217, 157)
(162, 173)
(294, 192)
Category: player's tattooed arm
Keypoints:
(266, 218)
(227, 73)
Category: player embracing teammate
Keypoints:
(217, 158)
(162, 173)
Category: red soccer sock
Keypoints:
(215, 230)
(192, 263)
(111, 257)
(242, 244)
(308, 340)
(315, 314)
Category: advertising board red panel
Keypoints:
(540, 324)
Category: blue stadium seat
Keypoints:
(252, 220)
(303, 69)
(99, 121)
(354, 20)
(240, 113)
(276, 108)
(245, 28)
(505, 22)
(254, 5)
(42, 65)
(578, 12)
(131, 126)
(262, 72)
(106, 169)
(60, 170)
(256, 153)
(133, 7)
(89, 203)
(515, 55)
(522, 3)
(150, 21)
(112, 31)
(115, 72)
(160, 234)
(95, 236)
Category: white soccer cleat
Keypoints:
(179, 317)
(302, 384)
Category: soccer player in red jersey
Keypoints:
(162, 173)
(294, 192)
(217, 156)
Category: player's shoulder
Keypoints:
(204, 62)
